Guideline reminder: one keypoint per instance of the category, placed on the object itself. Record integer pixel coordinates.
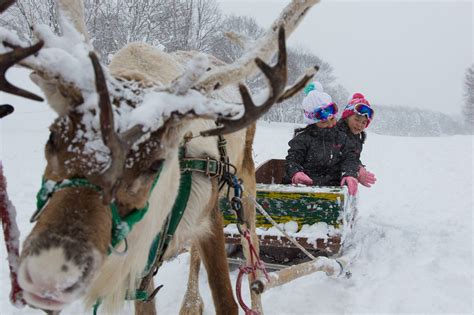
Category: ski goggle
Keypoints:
(364, 110)
(322, 113)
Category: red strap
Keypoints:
(238, 288)
(11, 234)
(255, 263)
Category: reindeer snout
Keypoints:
(55, 275)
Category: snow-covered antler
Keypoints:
(119, 144)
(247, 65)
(73, 11)
(277, 77)
(59, 65)
(264, 49)
(14, 56)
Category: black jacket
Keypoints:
(356, 140)
(325, 155)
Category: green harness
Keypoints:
(121, 226)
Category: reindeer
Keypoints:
(114, 153)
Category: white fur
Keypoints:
(120, 273)
(44, 278)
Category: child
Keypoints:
(355, 118)
(320, 154)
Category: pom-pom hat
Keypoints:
(315, 99)
(358, 105)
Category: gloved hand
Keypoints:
(351, 183)
(366, 178)
(301, 178)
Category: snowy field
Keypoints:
(414, 227)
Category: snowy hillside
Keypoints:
(414, 229)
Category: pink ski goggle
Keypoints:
(364, 110)
(322, 113)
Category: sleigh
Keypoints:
(318, 218)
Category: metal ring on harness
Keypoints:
(119, 253)
(38, 213)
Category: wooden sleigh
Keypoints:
(316, 217)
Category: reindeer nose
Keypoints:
(51, 271)
(51, 279)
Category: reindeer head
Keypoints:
(113, 136)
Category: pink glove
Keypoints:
(351, 183)
(366, 178)
(302, 178)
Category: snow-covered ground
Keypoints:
(414, 227)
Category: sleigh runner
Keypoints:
(316, 217)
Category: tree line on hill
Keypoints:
(172, 25)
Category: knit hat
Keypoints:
(315, 85)
(314, 99)
(357, 98)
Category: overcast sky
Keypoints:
(412, 53)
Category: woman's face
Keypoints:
(357, 123)
(331, 122)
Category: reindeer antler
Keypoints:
(277, 77)
(5, 4)
(118, 144)
(9, 59)
(6, 110)
(264, 48)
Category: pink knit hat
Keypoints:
(357, 98)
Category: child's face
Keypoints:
(331, 122)
(357, 123)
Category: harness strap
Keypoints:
(209, 166)
(49, 187)
(121, 226)
(221, 144)
(163, 239)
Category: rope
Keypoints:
(255, 263)
(243, 270)
(269, 218)
(12, 235)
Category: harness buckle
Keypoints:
(219, 168)
(208, 166)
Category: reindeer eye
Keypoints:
(155, 166)
(52, 141)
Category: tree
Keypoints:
(22, 16)
(413, 122)
(468, 109)
(168, 24)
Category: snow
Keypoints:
(414, 230)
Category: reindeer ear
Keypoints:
(58, 96)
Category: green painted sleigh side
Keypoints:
(303, 205)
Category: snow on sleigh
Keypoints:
(319, 219)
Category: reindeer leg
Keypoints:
(146, 307)
(213, 254)
(247, 173)
(192, 302)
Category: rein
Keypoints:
(121, 226)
